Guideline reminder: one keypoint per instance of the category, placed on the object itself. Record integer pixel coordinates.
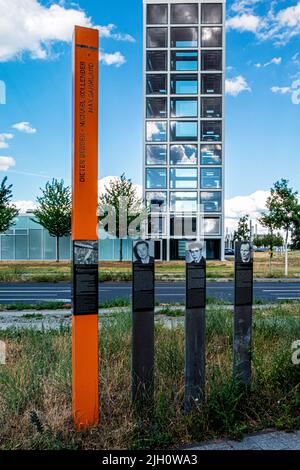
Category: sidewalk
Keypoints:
(181, 278)
(265, 441)
(56, 319)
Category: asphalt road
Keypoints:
(165, 292)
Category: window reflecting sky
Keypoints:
(183, 154)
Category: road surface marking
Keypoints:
(288, 298)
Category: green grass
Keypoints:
(126, 302)
(122, 272)
(114, 303)
(35, 386)
(20, 306)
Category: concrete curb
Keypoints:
(275, 440)
(108, 311)
(56, 319)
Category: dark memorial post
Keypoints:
(242, 341)
(143, 322)
(195, 325)
(85, 393)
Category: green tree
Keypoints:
(119, 208)
(258, 241)
(243, 231)
(283, 211)
(269, 222)
(54, 210)
(7, 210)
(270, 240)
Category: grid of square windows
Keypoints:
(184, 127)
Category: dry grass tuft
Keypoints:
(35, 386)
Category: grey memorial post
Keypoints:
(242, 341)
(195, 325)
(143, 322)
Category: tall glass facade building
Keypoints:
(184, 86)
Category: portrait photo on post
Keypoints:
(195, 252)
(244, 252)
(86, 252)
(143, 252)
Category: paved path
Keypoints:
(166, 292)
(55, 319)
(266, 441)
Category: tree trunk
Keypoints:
(286, 268)
(121, 250)
(57, 249)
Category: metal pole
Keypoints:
(195, 327)
(242, 341)
(85, 229)
(143, 325)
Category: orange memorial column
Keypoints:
(85, 380)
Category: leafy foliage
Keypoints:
(283, 212)
(270, 240)
(54, 210)
(7, 210)
(283, 208)
(243, 231)
(296, 238)
(120, 202)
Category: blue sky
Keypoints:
(262, 104)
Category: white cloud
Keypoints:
(116, 58)
(242, 6)
(25, 127)
(6, 163)
(108, 33)
(293, 90)
(296, 92)
(106, 181)
(290, 16)
(25, 206)
(236, 85)
(278, 25)
(4, 138)
(275, 61)
(253, 205)
(31, 27)
(282, 90)
(244, 22)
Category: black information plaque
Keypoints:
(243, 285)
(85, 293)
(196, 285)
(243, 274)
(242, 331)
(143, 287)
